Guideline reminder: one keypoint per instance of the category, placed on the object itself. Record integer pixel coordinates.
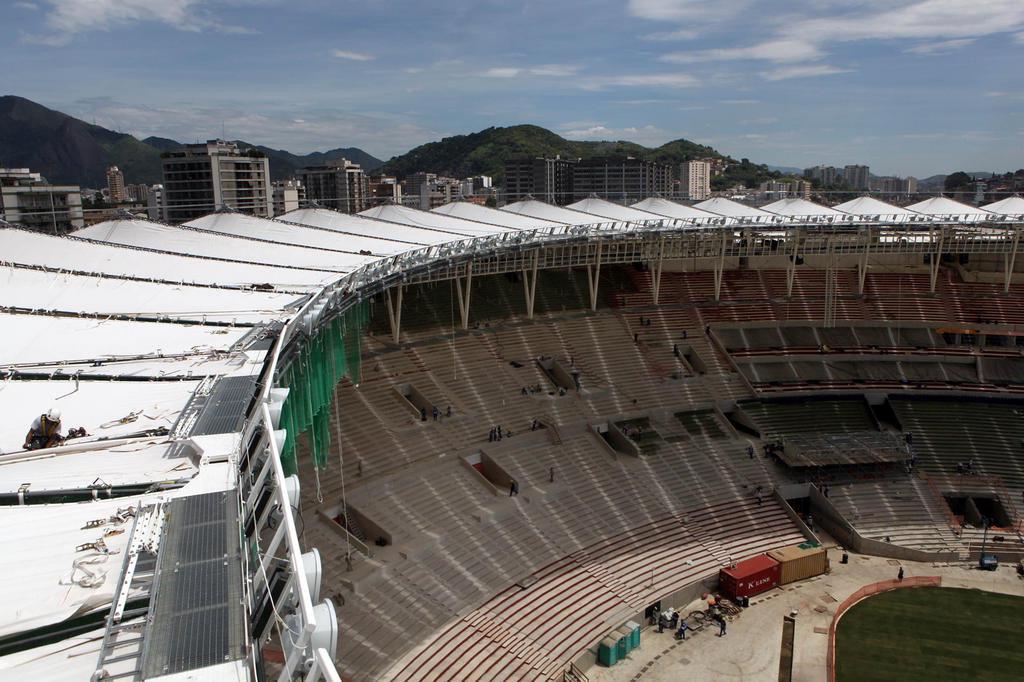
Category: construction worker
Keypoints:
(45, 431)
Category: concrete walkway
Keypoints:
(750, 649)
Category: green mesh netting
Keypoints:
(335, 352)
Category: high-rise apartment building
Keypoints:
(695, 180)
(823, 175)
(338, 184)
(289, 195)
(155, 202)
(201, 178)
(384, 188)
(137, 194)
(619, 178)
(115, 185)
(857, 177)
(27, 199)
(549, 180)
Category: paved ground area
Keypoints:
(750, 649)
(931, 634)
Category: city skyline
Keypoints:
(910, 88)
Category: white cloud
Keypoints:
(803, 71)
(654, 80)
(352, 56)
(68, 17)
(740, 102)
(686, 10)
(920, 19)
(544, 70)
(646, 135)
(943, 47)
(1018, 38)
(31, 6)
(772, 50)
(669, 36)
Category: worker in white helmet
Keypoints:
(45, 431)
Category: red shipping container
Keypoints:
(749, 577)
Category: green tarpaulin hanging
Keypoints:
(312, 375)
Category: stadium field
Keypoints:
(931, 633)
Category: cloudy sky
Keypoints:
(907, 86)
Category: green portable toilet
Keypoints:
(608, 651)
(625, 637)
(634, 634)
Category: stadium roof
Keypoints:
(557, 214)
(346, 223)
(734, 209)
(278, 232)
(1010, 206)
(183, 240)
(870, 208)
(801, 208)
(943, 207)
(607, 209)
(412, 216)
(470, 211)
(674, 209)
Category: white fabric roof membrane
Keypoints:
(485, 214)
(943, 207)
(253, 227)
(870, 208)
(795, 207)
(27, 247)
(172, 239)
(1013, 206)
(673, 209)
(39, 290)
(39, 339)
(734, 209)
(337, 221)
(40, 542)
(98, 406)
(612, 211)
(558, 214)
(413, 216)
(137, 462)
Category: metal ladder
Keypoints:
(123, 638)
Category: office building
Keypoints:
(695, 180)
(549, 180)
(115, 186)
(621, 178)
(338, 184)
(201, 178)
(288, 195)
(27, 199)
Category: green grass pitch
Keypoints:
(933, 634)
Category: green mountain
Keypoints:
(67, 150)
(485, 152)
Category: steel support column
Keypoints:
(530, 284)
(1011, 259)
(593, 277)
(862, 264)
(656, 275)
(464, 296)
(395, 311)
(720, 265)
(936, 258)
